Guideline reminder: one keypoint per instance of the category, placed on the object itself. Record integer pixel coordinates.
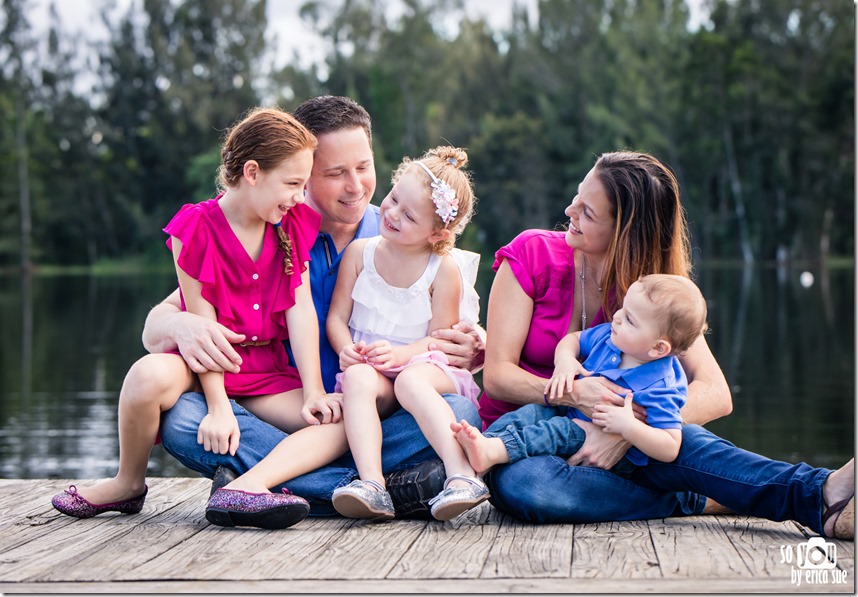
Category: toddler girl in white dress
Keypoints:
(391, 293)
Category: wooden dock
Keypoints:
(170, 547)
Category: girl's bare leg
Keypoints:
(367, 398)
(418, 389)
(301, 452)
(281, 410)
(152, 386)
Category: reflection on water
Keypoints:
(788, 352)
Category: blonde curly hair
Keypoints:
(446, 163)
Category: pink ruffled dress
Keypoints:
(250, 297)
(400, 316)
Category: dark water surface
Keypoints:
(786, 347)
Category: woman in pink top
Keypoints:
(625, 222)
(241, 260)
(544, 267)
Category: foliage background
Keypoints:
(102, 141)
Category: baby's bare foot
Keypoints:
(482, 452)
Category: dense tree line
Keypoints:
(102, 141)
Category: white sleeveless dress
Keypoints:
(401, 316)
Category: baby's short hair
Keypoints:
(681, 308)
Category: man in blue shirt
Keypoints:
(340, 188)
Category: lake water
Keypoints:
(786, 343)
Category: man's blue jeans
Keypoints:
(546, 489)
(403, 446)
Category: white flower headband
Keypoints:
(443, 196)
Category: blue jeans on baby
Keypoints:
(547, 489)
(536, 430)
(403, 446)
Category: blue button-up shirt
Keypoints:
(324, 266)
(660, 385)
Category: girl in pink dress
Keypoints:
(241, 260)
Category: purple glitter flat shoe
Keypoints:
(72, 503)
(236, 508)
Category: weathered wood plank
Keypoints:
(696, 547)
(262, 554)
(33, 517)
(450, 549)
(523, 550)
(367, 551)
(759, 542)
(458, 586)
(170, 547)
(48, 546)
(13, 492)
(614, 550)
(142, 542)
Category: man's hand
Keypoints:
(462, 344)
(206, 345)
(600, 450)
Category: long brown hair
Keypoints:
(650, 229)
(267, 135)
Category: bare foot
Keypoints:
(111, 491)
(713, 507)
(247, 483)
(839, 485)
(482, 452)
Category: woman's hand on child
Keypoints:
(380, 355)
(206, 345)
(562, 383)
(600, 449)
(590, 391)
(219, 432)
(613, 418)
(322, 409)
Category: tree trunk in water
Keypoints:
(825, 237)
(738, 199)
(24, 190)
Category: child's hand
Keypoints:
(615, 419)
(380, 355)
(324, 408)
(352, 354)
(219, 432)
(562, 381)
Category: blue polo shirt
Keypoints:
(324, 265)
(660, 386)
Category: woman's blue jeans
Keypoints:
(546, 489)
(403, 446)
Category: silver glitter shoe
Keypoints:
(363, 499)
(451, 502)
